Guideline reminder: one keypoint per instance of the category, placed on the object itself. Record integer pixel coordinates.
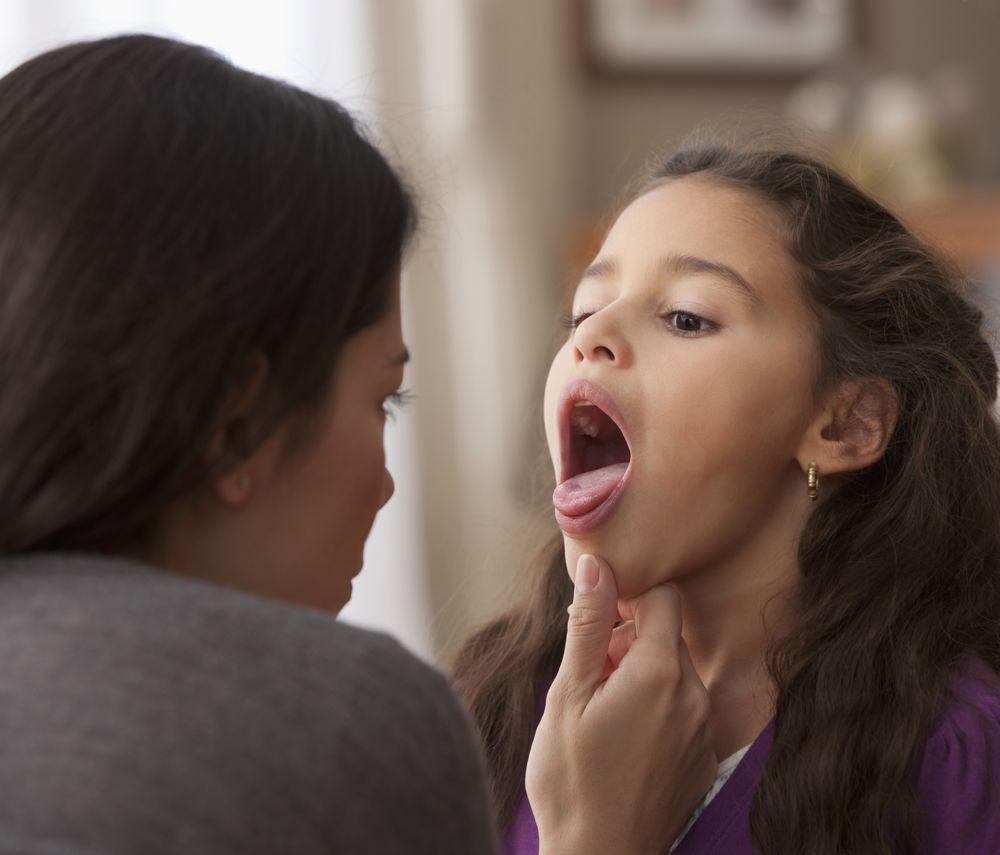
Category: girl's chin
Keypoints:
(628, 571)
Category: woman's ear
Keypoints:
(852, 427)
(231, 438)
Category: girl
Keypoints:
(776, 398)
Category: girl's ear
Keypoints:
(852, 427)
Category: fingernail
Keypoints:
(587, 573)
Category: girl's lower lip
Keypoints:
(592, 519)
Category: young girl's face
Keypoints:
(694, 341)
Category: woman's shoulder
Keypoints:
(119, 620)
(958, 780)
(277, 710)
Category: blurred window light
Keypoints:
(325, 46)
(262, 37)
(322, 45)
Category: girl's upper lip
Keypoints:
(584, 390)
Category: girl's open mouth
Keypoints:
(596, 458)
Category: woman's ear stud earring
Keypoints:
(812, 479)
(243, 484)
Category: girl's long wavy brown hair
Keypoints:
(900, 565)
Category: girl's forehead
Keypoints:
(699, 209)
(701, 219)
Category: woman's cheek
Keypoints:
(357, 467)
(376, 477)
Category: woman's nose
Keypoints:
(599, 339)
(388, 487)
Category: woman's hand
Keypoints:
(622, 755)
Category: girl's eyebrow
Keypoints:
(696, 264)
(606, 268)
(603, 268)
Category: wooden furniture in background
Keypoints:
(964, 224)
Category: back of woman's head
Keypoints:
(166, 220)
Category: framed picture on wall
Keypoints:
(716, 37)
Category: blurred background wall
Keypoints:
(624, 117)
(520, 131)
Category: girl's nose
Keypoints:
(599, 338)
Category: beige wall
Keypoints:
(480, 106)
(623, 121)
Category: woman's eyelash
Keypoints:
(396, 401)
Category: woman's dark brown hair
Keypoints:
(166, 219)
(900, 563)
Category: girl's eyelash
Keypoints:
(573, 321)
(396, 401)
(705, 322)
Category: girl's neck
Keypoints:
(731, 613)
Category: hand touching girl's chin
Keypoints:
(635, 569)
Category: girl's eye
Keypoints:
(688, 324)
(683, 323)
(395, 402)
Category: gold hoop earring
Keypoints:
(812, 480)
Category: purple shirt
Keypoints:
(958, 785)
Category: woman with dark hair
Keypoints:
(776, 398)
(199, 337)
(200, 342)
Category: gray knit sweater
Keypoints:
(143, 714)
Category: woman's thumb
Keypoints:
(592, 617)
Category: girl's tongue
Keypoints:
(600, 457)
(584, 492)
